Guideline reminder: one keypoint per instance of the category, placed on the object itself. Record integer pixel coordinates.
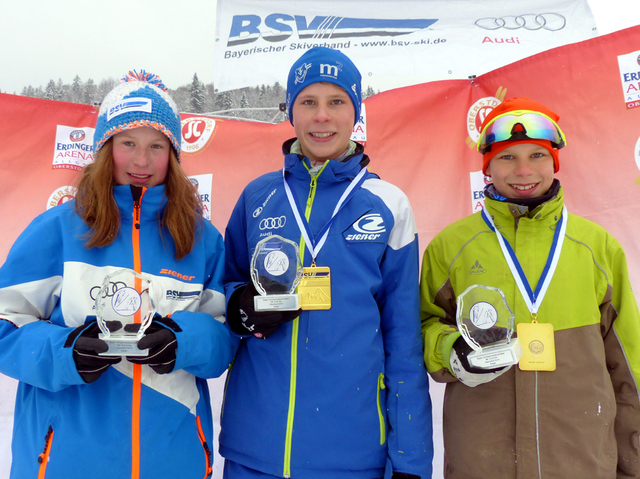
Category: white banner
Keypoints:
(394, 43)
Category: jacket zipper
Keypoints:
(294, 347)
(383, 429)
(137, 368)
(43, 458)
(537, 427)
(205, 446)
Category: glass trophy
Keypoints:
(125, 307)
(275, 271)
(486, 324)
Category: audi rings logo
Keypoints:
(111, 290)
(273, 223)
(369, 224)
(528, 21)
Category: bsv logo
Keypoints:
(273, 223)
(280, 27)
(182, 295)
(128, 105)
(369, 228)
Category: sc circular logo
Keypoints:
(477, 113)
(483, 315)
(371, 223)
(273, 223)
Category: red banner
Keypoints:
(419, 138)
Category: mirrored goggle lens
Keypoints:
(520, 127)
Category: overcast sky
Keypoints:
(42, 40)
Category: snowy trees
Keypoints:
(196, 92)
(368, 92)
(89, 94)
(50, 92)
(256, 103)
(76, 90)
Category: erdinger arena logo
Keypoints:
(367, 228)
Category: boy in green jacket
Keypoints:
(571, 407)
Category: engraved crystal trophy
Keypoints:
(125, 307)
(275, 272)
(486, 324)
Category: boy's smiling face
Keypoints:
(523, 170)
(323, 118)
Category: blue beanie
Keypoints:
(322, 64)
(140, 100)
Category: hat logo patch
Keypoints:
(301, 73)
(331, 71)
(129, 105)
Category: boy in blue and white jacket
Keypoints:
(339, 392)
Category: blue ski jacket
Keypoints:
(338, 390)
(131, 422)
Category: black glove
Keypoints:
(244, 319)
(161, 341)
(89, 363)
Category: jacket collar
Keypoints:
(504, 212)
(299, 165)
(153, 203)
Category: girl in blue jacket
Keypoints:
(81, 414)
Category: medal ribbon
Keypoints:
(533, 299)
(313, 247)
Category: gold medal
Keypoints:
(315, 288)
(538, 346)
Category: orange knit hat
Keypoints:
(515, 104)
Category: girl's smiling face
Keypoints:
(140, 157)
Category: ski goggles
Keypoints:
(521, 125)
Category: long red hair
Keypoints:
(96, 205)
